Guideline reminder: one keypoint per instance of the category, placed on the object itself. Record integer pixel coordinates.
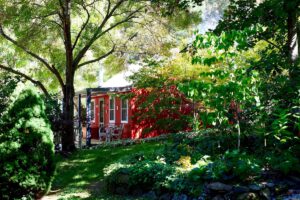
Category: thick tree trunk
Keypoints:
(68, 119)
(68, 107)
(293, 37)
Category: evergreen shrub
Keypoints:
(26, 149)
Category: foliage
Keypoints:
(26, 149)
(8, 84)
(277, 66)
(159, 104)
(53, 113)
(145, 175)
(164, 110)
(286, 162)
(52, 40)
(190, 169)
(232, 166)
(251, 71)
(168, 7)
(235, 165)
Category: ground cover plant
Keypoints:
(187, 166)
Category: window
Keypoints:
(124, 110)
(92, 111)
(111, 109)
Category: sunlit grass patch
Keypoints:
(81, 175)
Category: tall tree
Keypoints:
(58, 37)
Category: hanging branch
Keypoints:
(97, 59)
(82, 27)
(34, 55)
(100, 32)
(35, 82)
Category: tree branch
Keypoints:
(97, 59)
(97, 33)
(273, 44)
(83, 26)
(42, 60)
(35, 82)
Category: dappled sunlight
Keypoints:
(87, 167)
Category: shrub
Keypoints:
(235, 165)
(285, 162)
(26, 149)
(144, 175)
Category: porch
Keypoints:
(102, 123)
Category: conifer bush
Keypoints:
(26, 149)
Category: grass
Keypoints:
(81, 175)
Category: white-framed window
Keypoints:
(124, 110)
(112, 109)
(92, 110)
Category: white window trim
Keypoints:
(112, 121)
(126, 121)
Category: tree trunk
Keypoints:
(293, 47)
(68, 119)
(68, 107)
(292, 21)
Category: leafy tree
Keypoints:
(254, 62)
(26, 149)
(278, 65)
(54, 39)
(227, 88)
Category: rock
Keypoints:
(254, 187)
(218, 197)
(266, 193)
(217, 186)
(240, 189)
(165, 196)
(180, 197)
(150, 195)
(248, 196)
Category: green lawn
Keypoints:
(81, 175)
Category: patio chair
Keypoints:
(117, 132)
(104, 133)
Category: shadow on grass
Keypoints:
(81, 175)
